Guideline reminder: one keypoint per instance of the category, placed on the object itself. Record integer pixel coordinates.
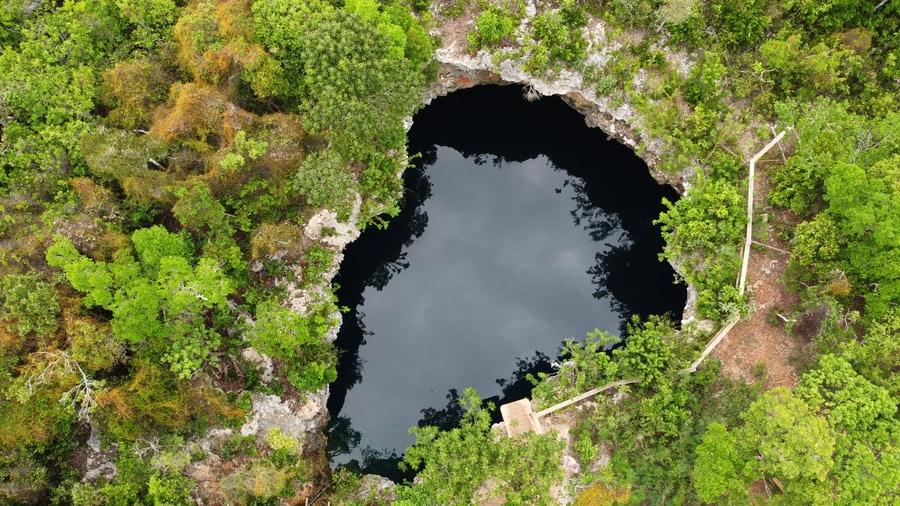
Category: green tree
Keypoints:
(492, 26)
(782, 437)
(359, 91)
(152, 20)
(876, 355)
(702, 231)
(325, 180)
(29, 304)
(284, 334)
(717, 468)
(650, 352)
(849, 401)
(160, 302)
(866, 202)
(739, 23)
(455, 464)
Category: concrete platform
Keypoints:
(518, 418)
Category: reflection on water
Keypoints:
(521, 227)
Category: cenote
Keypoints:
(520, 227)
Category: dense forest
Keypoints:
(176, 176)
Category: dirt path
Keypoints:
(760, 346)
(761, 342)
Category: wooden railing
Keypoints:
(720, 335)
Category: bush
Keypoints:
(325, 180)
(702, 232)
(559, 38)
(492, 27)
(31, 304)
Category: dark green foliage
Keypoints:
(807, 71)
(362, 88)
(324, 178)
(705, 85)
(284, 334)
(740, 23)
(359, 69)
(198, 211)
(876, 355)
(702, 233)
(589, 365)
(456, 463)
(652, 351)
(492, 27)
(837, 14)
(30, 304)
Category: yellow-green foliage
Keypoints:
(91, 343)
(196, 114)
(599, 495)
(38, 421)
(154, 401)
(281, 442)
(134, 89)
(261, 480)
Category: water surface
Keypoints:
(521, 227)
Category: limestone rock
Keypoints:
(375, 489)
(270, 412)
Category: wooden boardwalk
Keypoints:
(519, 417)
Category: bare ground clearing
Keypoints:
(761, 343)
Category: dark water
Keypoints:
(521, 227)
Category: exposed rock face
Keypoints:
(461, 70)
(270, 412)
(375, 489)
(458, 70)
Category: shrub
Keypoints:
(29, 303)
(492, 27)
(325, 180)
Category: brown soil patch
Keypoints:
(762, 341)
(761, 344)
(454, 30)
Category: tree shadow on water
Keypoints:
(372, 261)
(516, 387)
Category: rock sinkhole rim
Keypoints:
(337, 397)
